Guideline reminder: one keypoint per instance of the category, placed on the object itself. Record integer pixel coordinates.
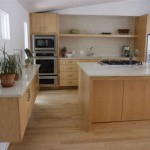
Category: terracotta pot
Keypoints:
(17, 76)
(28, 64)
(7, 80)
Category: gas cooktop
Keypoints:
(120, 62)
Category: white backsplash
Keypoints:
(98, 24)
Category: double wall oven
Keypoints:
(45, 54)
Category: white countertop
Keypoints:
(94, 57)
(21, 85)
(98, 70)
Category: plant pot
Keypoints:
(17, 77)
(7, 80)
(28, 64)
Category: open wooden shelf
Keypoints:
(99, 35)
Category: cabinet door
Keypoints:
(136, 101)
(50, 23)
(37, 23)
(107, 100)
(24, 104)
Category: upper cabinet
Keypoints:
(43, 23)
(142, 28)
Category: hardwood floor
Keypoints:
(56, 124)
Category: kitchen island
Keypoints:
(16, 104)
(109, 93)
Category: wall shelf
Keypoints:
(98, 35)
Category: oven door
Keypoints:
(48, 80)
(48, 65)
(44, 42)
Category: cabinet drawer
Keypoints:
(70, 61)
(68, 68)
(68, 83)
(69, 75)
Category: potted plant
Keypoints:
(8, 68)
(29, 61)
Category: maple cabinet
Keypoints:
(43, 23)
(15, 110)
(69, 71)
(142, 28)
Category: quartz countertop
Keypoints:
(21, 85)
(95, 57)
(98, 70)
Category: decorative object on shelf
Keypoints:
(69, 54)
(90, 53)
(106, 33)
(29, 61)
(8, 68)
(123, 31)
(63, 51)
(75, 31)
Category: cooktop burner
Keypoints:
(121, 62)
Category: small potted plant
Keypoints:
(8, 68)
(29, 61)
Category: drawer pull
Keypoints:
(29, 95)
(69, 75)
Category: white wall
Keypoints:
(124, 8)
(17, 16)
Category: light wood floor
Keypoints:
(56, 124)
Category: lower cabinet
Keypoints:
(136, 100)
(120, 100)
(69, 71)
(15, 113)
(107, 100)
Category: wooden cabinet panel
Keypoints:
(68, 82)
(69, 71)
(136, 101)
(142, 28)
(37, 22)
(107, 100)
(43, 23)
(15, 113)
(50, 22)
(69, 62)
(68, 68)
(68, 75)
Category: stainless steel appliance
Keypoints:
(125, 51)
(44, 42)
(45, 54)
(120, 62)
(148, 48)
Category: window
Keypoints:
(4, 26)
(26, 35)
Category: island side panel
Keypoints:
(136, 101)
(9, 120)
(107, 100)
(85, 98)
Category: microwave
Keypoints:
(44, 42)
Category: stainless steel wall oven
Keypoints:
(45, 54)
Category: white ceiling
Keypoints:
(53, 5)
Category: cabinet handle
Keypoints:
(29, 95)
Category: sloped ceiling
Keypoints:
(89, 7)
(53, 5)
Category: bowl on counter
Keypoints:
(69, 55)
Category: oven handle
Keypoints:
(47, 77)
(49, 58)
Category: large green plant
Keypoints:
(8, 63)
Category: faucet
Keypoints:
(90, 53)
